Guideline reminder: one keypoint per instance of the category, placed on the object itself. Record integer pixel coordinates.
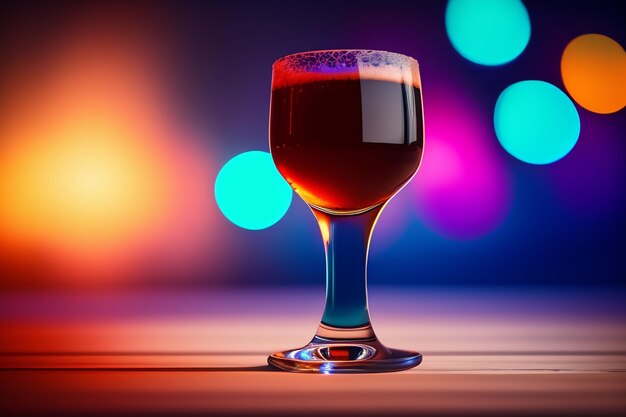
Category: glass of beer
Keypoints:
(346, 132)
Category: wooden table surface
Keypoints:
(486, 352)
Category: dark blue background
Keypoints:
(223, 57)
(540, 242)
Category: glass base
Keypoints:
(333, 356)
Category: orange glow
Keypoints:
(78, 186)
(593, 68)
(97, 179)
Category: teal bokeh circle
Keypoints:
(488, 32)
(536, 122)
(250, 191)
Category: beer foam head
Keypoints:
(345, 64)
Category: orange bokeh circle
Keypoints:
(593, 68)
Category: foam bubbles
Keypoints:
(306, 67)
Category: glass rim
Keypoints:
(408, 58)
(335, 64)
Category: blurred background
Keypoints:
(116, 118)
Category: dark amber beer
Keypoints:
(346, 144)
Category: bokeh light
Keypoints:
(593, 68)
(488, 32)
(462, 188)
(100, 183)
(250, 191)
(536, 122)
(89, 181)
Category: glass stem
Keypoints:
(346, 243)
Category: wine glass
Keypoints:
(346, 132)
